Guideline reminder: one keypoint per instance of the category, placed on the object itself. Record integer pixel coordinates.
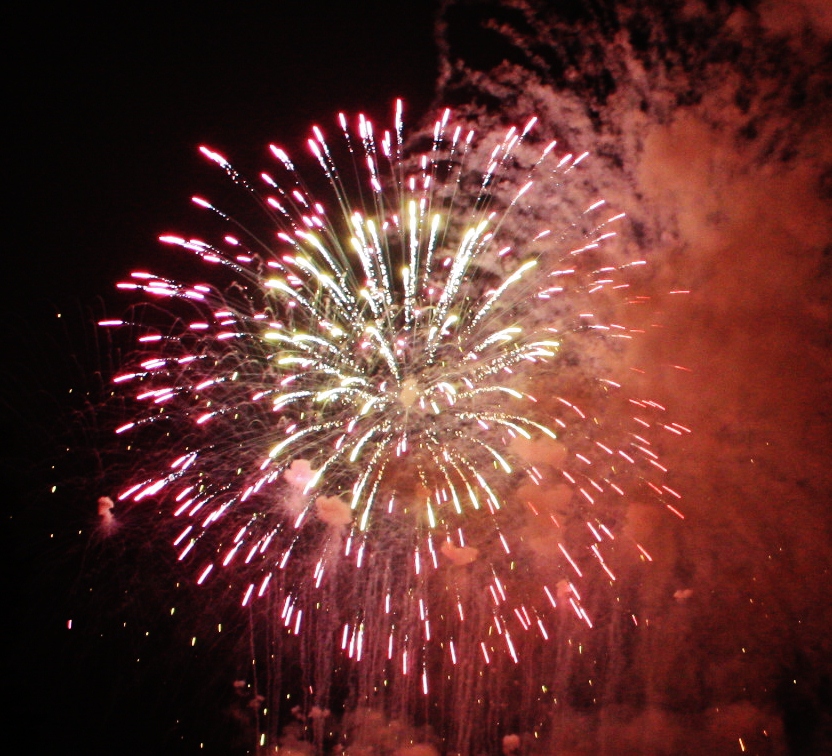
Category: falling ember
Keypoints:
(370, 412)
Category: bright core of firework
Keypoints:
(347, 413)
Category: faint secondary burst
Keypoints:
(365, 416)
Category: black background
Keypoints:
(107, 108)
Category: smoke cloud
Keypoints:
(709, 126)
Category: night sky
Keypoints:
(109, 109)
(709, 125)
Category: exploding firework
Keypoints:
(368, 420)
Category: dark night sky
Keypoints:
(710, 122)
(107, 110)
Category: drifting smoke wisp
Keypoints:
(710, 125)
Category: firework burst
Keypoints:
(367, 422)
